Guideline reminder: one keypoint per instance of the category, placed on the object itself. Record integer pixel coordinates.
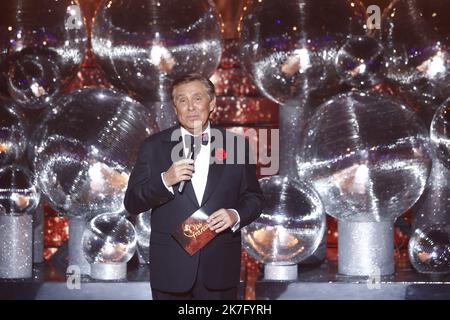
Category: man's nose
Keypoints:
(190, 105)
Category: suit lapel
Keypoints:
(189, 189)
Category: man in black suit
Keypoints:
(223, 183)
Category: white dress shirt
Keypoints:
(201, 169)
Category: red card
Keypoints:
(194, 233)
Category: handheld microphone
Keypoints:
(182, 183)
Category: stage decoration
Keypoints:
(367, 155)
(38, 233)
(109, 242)
(83, 152)
(289, 47)
(42, 44)
(289, 229)
(13, 133)
(433, 206)
(416, 37)
(238, 101)
(429, 246)
(143, 231)
(19, 195)
(143, 45)
(429, 249)
(360, 62)
(84, 149)
(440, 133)
(19, 198)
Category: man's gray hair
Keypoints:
(195, 77)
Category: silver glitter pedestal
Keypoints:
(76, 256)
(284, 272)
(38, 234)
(366, 248)
(109, 271)
(16, 246)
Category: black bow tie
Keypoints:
(190, 140)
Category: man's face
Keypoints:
(193, 106)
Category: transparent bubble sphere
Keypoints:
(440, 133)
(42, 44)
(291, 225)
(289, 47)
(416, 35)
(360, 62)
(367, 155)
(429, 249)
(18, 192)
(416, 38)
(13, 133)
(109, 238)
(143, 45)
(85, 147)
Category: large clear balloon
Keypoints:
(360, 62)
(367, 156)
(18, 192)
(109, 238)
(424, 98)
(416, 37)
(289, 47)
(85, 147)
(33, 78)
(291, 225)
(433, 206)
(431, 213)
(429, 249)
(42, 43)
(143, 45)
(440, 133)
(13, 133)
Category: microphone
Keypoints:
(191, 156)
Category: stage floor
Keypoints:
(315, 282)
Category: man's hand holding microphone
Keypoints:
(181, 170)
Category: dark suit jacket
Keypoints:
(229, 186)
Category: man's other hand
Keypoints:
(222, 219)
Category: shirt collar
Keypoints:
(207, 130)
